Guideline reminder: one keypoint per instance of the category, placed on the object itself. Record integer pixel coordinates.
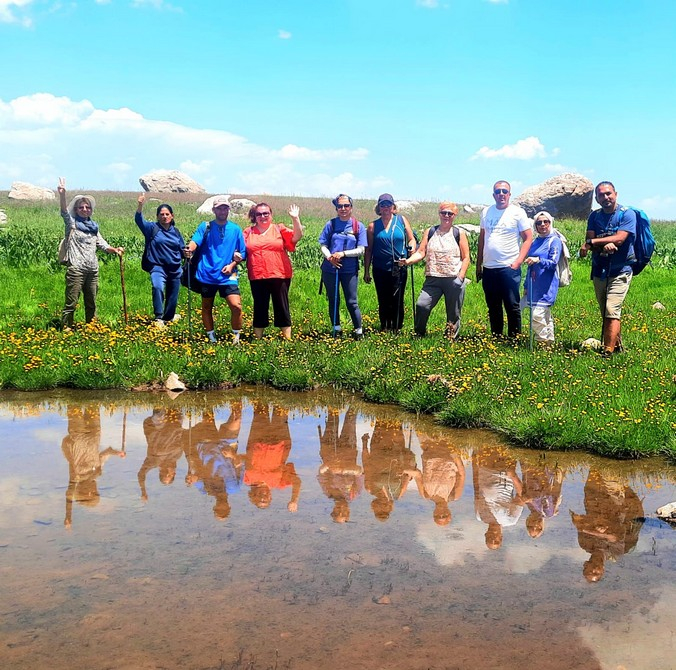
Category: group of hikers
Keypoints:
(388, 245)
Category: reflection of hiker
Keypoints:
(610, 527)
(497, 492)
(164, 434)
(340, 477)
(442, 478)
(542, 495)
(266, 455)
(216, 468)
(85, 463)
(386, 461)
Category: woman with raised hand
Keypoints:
(541, 285)
(162, 259)
(269, 267)
(447, 251)
(389, 239)
(82, 239)
(342, 241)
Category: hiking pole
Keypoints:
(530, 305)
(124, 291)
(189, 302)
(335, 307)
(413, 292)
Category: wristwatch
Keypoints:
(588, 243)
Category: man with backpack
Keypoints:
(611, 232)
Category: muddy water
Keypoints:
(258, 530)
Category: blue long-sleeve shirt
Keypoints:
(543, 275)
(164, 247)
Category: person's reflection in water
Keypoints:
(340, 476)
(497, 492)
(215, 467)
(542, 494)
(611, 525)
(387, 466)
(442, 478)
(164, 434)
(267, 451)
(85, 461)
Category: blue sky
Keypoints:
(427, 99)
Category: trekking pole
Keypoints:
(335, 307)
(413, 292)
(530, 305)
(124, 291)
(189, 302)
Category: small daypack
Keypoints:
(63, 252)
(644, 242)
(456, 233)
(563, 268)
(189, 274)
(146, 265)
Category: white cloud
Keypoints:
(43, 136)
(556, 168)
(524, 150)
(155, 4)
(12, 11)
(284, 35)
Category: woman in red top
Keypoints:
(269, 266)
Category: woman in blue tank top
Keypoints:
(390, 239)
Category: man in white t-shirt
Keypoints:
(505, 238)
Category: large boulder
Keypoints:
(237, 205)
(169, 181)
(569, 195)
(24, 191)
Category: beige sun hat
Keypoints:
(71, 204)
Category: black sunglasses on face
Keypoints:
(343, 206)
(445, 213)
(498, 191)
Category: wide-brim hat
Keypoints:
(71, 204)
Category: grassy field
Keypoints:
(564, 398)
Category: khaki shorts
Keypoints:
(610, 294)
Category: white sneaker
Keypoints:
(177, 317)
(159, 323)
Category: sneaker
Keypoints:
(212, 338)
(357, 336)
(159, 323)
(177, 317)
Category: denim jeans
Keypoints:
(501, 287)
(349, 283)
(166, 285)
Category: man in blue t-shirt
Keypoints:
(611, 231)
(222, 248)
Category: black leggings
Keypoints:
(262, 290)
(390, 289)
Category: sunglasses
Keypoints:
(499, 191)
(263, 214)
(386, 203)
(542, 222)
(343, 206)
(445, 213)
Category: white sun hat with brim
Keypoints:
(71, 204)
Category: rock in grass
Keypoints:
(22, 190)
(174, 384)
(567, 196)
(591, 343)
(657, 305)
(169, 181)
(3, 218)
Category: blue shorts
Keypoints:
(224, 290)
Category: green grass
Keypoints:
(563, 398)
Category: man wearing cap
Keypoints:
(222, 248)
(504, 240)
(610, 237)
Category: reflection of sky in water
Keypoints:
(305, 559)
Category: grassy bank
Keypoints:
(563, 398)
